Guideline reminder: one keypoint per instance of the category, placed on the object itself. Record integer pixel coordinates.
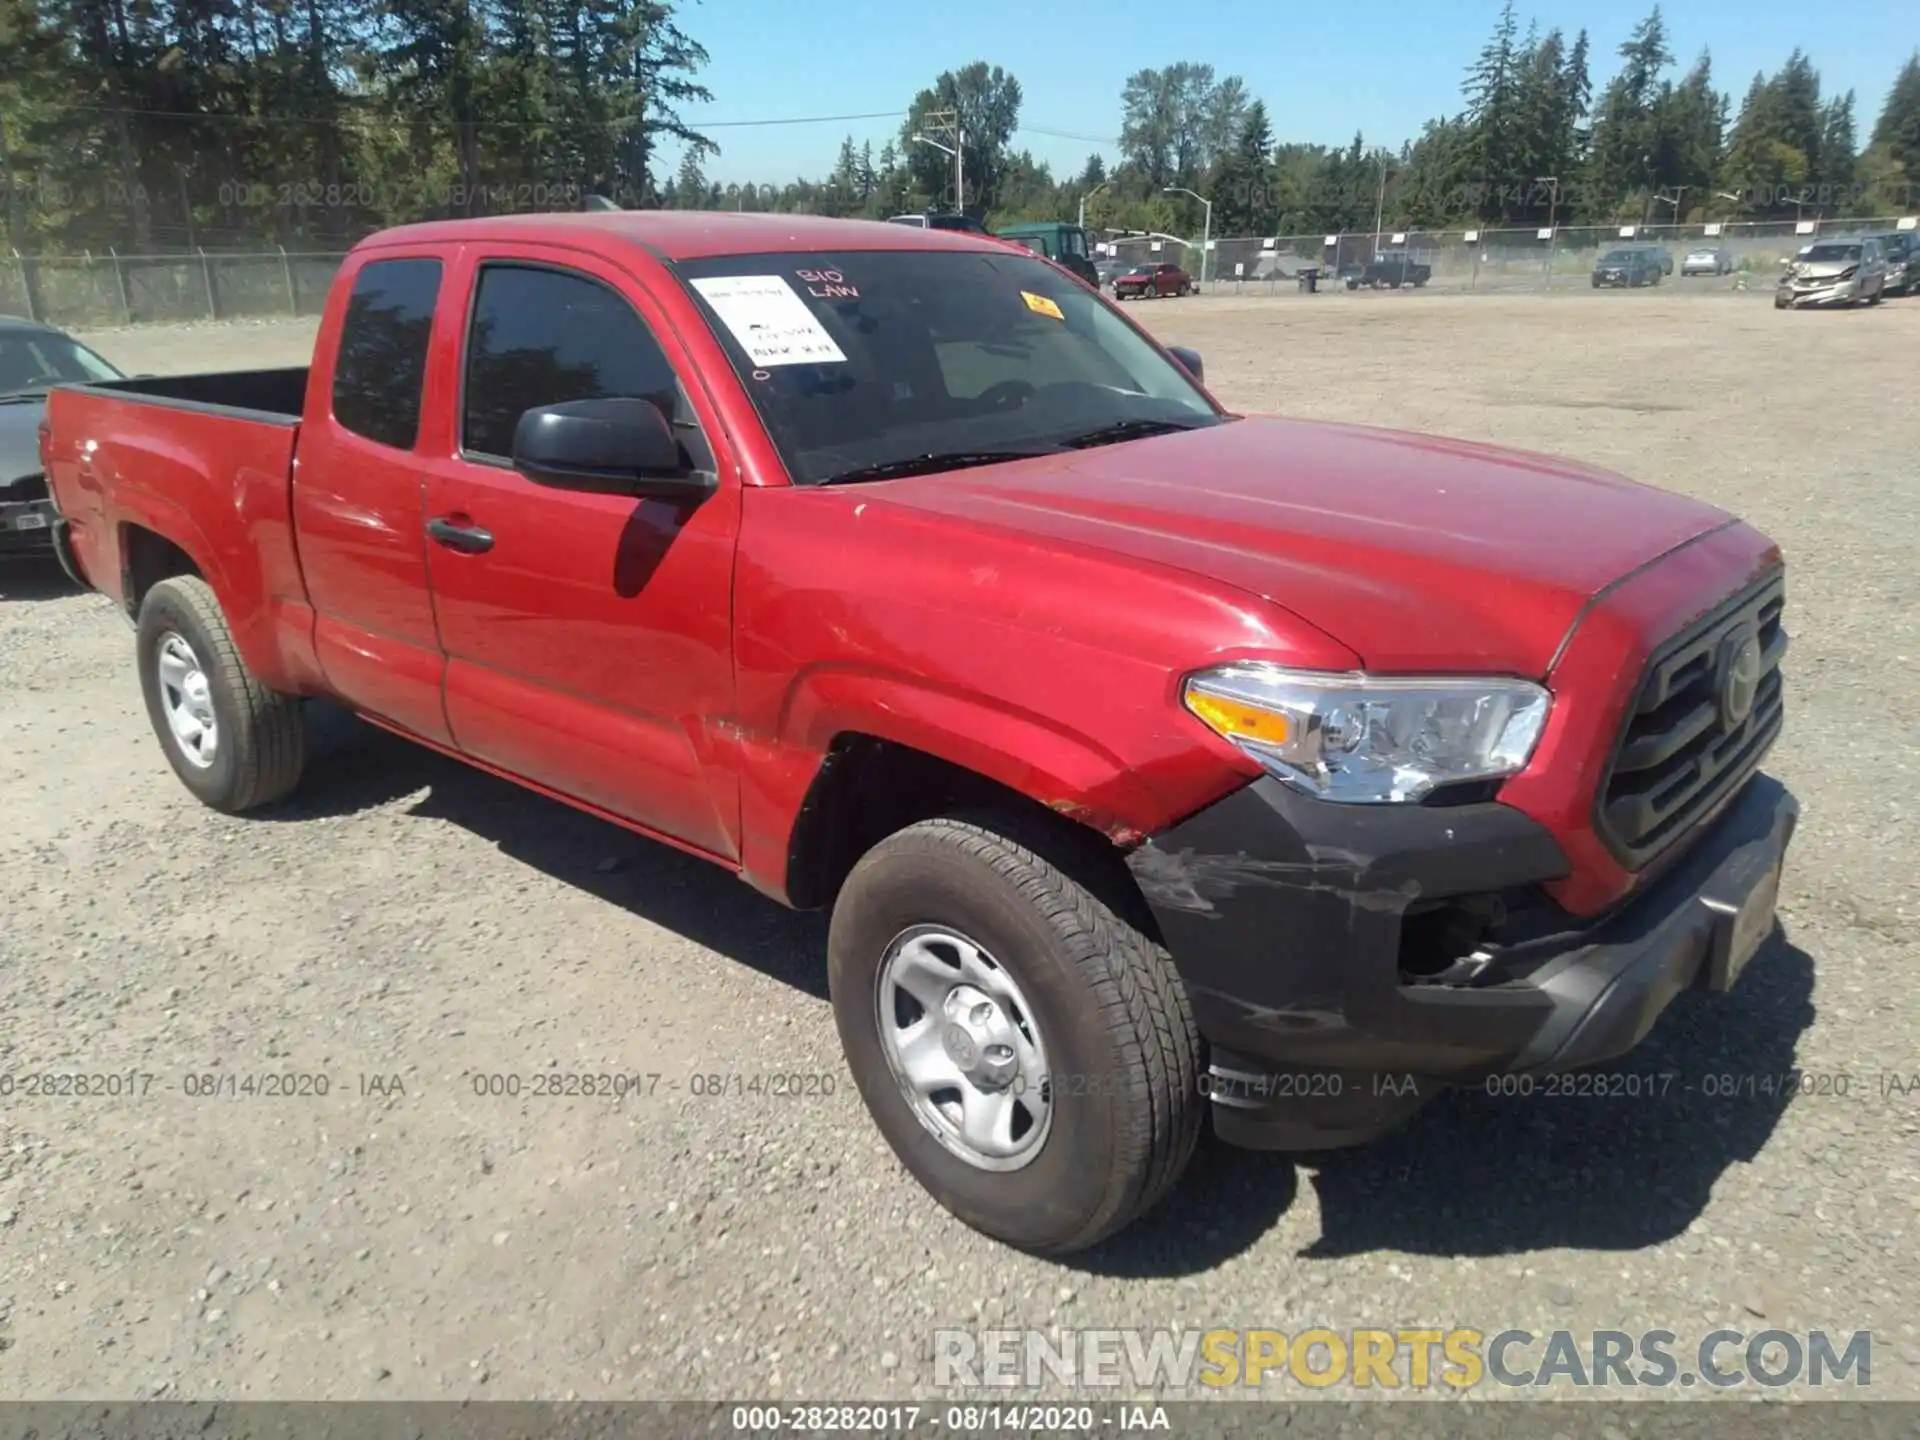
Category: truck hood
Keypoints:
(1417, 553)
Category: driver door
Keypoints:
(588, 636)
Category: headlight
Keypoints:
(1370, 739)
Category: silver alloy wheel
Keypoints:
(187, 699)
(964, 1047)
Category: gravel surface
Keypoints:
(406, 928)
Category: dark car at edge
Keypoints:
(33, 359)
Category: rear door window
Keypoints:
(382, 361)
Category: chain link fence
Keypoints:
(1747, 255)
(95, 290)
(92, 291)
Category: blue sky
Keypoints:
(777, 59)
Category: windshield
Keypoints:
(1618, 257)
(1819, 253)
(868, 359)
(32, 360)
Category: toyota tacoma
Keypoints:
(1155, 762)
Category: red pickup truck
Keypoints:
(1156, 762)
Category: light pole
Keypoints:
(1380, 207)
(1206, 238)
(1552, 182)
(959, 172)
(1082, 222)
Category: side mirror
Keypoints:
(615, 446)
(1189, 361)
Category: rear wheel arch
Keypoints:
(146, 558)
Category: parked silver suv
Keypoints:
(1833, 272)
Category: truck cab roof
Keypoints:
(686, 234)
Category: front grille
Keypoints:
(1679, 757)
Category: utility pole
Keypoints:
(1206, 238)
(1552, 182)
(945, 125)
(1379, 209)
(1082, 222)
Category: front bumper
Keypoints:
(1292, 922)
(27, 527)
(1842, 292)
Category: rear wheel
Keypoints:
(1028, 1052)
(233, 742)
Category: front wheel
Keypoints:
(233, 742)
(1028, 1052)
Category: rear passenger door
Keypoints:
(358, 487)
(588, 637)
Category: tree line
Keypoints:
(152, 124)
(1532, 144)
(158, 124)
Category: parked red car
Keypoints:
(1157, 279)
(1154, 761)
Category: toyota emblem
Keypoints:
(1739, 676)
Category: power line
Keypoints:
(797, 120)
(1067, 135)
(348, 105)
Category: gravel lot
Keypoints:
(417, 924)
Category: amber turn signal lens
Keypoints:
(1237, 718)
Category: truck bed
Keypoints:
(278, 395)
(198, 464)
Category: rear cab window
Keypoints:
(381, 364)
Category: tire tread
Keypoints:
(271, 746)
(1139, 997)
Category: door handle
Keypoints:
(467, 538)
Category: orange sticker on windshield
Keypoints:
(1041, 305)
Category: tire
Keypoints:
(1102, 998)
(258, 743)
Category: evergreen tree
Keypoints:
(1621, 172)
(1837, 164)
(1242, 185)
(1493, 157)
(690, 182)
(1898, 128)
